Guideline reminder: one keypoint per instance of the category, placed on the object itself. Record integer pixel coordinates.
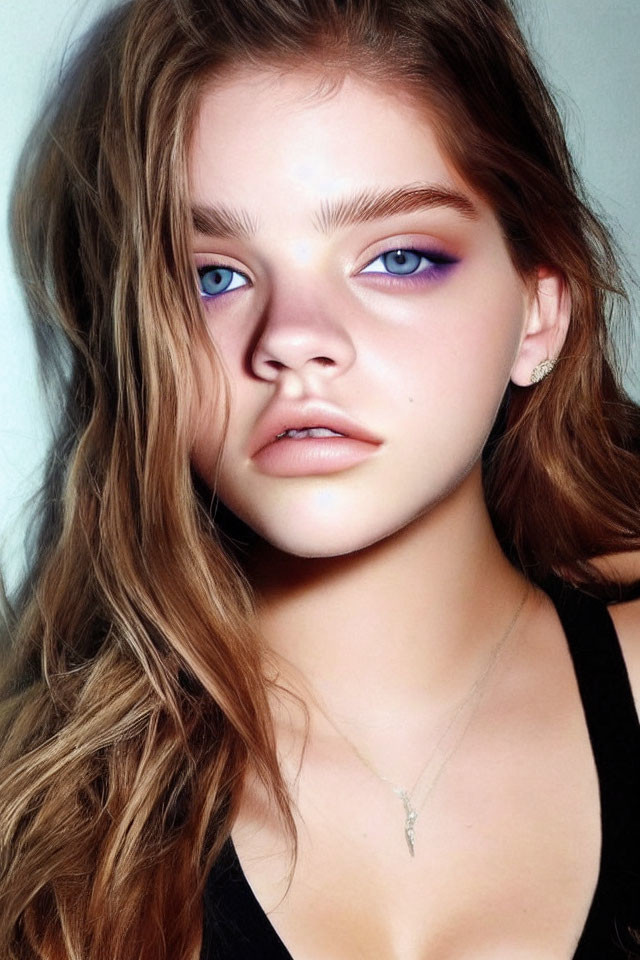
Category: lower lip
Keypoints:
(313, 455)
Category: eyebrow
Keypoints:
(222, 221)
(362, 207)
(373, 205)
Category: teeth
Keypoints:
(309, 432)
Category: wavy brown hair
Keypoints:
(135, 695)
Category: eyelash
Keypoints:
(437, 264)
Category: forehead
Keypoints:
(259, 131)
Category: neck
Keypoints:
(399, 627)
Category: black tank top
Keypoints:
(236, 927)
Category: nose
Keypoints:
(302, 332)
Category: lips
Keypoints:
(280, 418)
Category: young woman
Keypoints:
(316, 658)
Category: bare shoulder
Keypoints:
(626, 619)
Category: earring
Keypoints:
(542, 370)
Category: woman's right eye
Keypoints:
(214, 280)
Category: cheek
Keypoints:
(452, 368)
(461, 344)
(482, 329)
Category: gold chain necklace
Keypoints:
(471, 699)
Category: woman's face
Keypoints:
(353, 283)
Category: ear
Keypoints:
(545, 327)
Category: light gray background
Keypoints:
(588, 50)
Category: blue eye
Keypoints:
(215, 280)
(404, 262)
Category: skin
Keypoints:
(381, 589)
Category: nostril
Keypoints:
(325, 361)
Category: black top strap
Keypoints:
(614, 731)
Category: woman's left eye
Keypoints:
(215, 280)
(404, 262)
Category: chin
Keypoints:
(326, 524)
(322, 540)
(315, 544)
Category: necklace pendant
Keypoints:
(410, 835)
(411, 816)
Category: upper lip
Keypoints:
(300, 416)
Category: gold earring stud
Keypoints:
(542, 370)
